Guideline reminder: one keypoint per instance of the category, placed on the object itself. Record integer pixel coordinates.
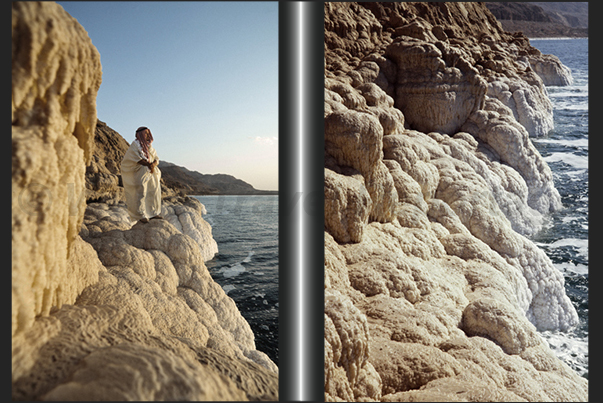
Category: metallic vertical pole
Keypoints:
(301, 225)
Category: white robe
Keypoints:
(142, 188)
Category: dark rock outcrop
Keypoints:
(573, 14)
(103, 178)
(518, 11)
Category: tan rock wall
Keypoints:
(56, 74)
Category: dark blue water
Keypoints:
(565, 236)
(246, 266)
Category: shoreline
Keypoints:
(247, 266)
(553, 38)
(237, 194)
(562, 241)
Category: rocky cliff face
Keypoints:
(103, 310)
(432, 291)
(543, 19)
(56, 75)
(573, 14)
(103, 182)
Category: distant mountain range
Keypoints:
(195, 183)
(542, 19)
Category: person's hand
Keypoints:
(152, 166)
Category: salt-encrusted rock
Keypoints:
(354, 139)
(158, 371)
(438, 81)
(513, 147)
(336, 274)
(409, 190)
(56, 74)
(347, 206)
(172, 312)
(528, 102)
(550, 69)
(185, 214)
(428, 159)
(348, 374)
(452, 293)
(423, 299)
(134, 254)
(491, 319)
(125, 358)
(436, 87)
(406, 366)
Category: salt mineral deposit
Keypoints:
(432, 290)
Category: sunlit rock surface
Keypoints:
(432, 290)
(56, 74)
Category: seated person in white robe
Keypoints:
(141, 178)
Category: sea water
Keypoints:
(246, 266)
(564, 238)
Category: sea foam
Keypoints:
(572, 349)
(232, 271)
(576, 161)
(578, 143)
(580, 245)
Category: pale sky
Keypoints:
(203, 76)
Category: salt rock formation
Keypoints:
(551, 70)
(154, 326)
(432, 290)
(56, 74)
(185, 214)
(433, 83)
(155, 314)
(509, 140)
(347, 206)
(433, 57)
(103, 310)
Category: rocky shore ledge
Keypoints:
(433, 292)
(103, 309)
